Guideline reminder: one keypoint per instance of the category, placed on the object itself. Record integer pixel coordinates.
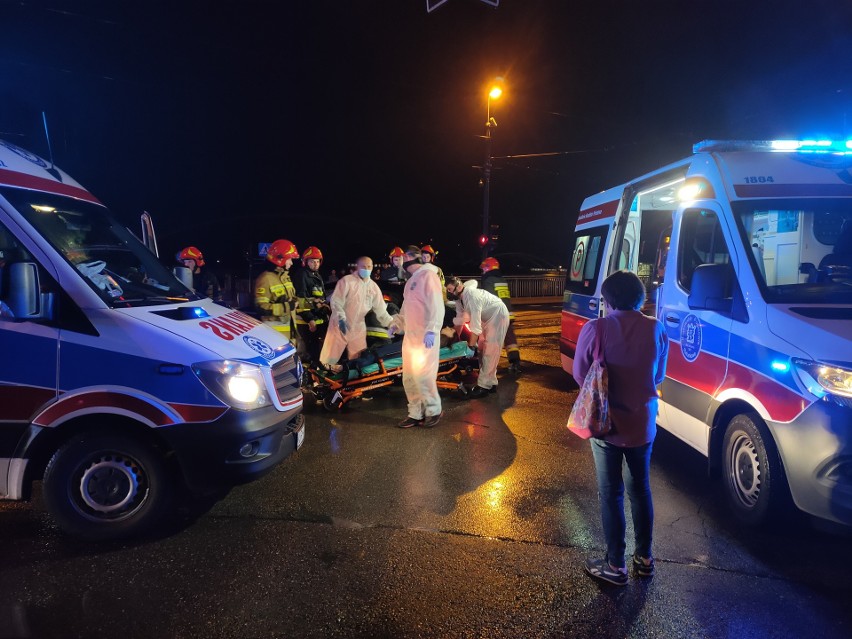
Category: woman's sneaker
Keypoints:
(643, 566)
(603, 570)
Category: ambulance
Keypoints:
(745, 249)
(119, 386)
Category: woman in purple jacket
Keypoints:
(635, 348)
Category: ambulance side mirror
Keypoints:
(24, 297)
(711, 288)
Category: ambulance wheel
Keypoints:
(100, 487)
(333, 402)
(755, 482)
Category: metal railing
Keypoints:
(239, 292)
(521, 286)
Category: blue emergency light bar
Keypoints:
(837, 147)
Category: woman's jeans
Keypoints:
(608, 467)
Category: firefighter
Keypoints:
(274, 293)
(429, 254)
(312, 309)
(494, 282)
(203, 281)
(395, 272)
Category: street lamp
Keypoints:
(494, 93)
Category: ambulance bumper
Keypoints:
(816, 449)
(239, 447)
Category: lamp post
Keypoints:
(494, 93)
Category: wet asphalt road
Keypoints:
(476, 528)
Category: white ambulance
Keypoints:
(746, 251)
(118, 384)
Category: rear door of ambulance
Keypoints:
(590, 254)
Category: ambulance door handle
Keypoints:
(593, 305)
(674, 320)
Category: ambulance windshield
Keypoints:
(800, 249)
(109, 257)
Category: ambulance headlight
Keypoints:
(824, 379)
(237, 384)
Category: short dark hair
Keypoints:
(414, 250)
(453, 281)
(623, 291)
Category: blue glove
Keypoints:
(342, 324)
(429, 340)
(469, 352)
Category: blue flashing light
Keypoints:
(780, 366)
(812, 145)
(199, 312)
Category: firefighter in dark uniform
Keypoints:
(203, 281)
(395, 272)
(312, 310)
(274, 293)
(494, 282)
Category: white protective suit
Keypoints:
(422, 312)
(488, 316)
(352, 299)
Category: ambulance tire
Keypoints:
(99, 487)
(754, 479)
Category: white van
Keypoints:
(118, 383)
(746, 251)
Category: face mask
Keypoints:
(364, 273)
(410, 263)
(452, 296)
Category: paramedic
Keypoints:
(354, 296)
(395, 272)
(421, 317)
(635, 349)
(487, 318)
(274, 293)
(493, 281)
(312, 310)
(203, 281)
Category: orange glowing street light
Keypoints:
(494, 93)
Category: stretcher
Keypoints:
(380, 367)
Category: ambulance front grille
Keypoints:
(286, 376)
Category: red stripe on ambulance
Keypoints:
(13, 178)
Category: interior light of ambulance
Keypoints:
(694, 189)
(42, 208)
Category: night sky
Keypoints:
(354, 125)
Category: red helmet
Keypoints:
(489, 264)
(280, 251)
(311, 253)
(396, 252)
(428, 249)
(192, 253)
